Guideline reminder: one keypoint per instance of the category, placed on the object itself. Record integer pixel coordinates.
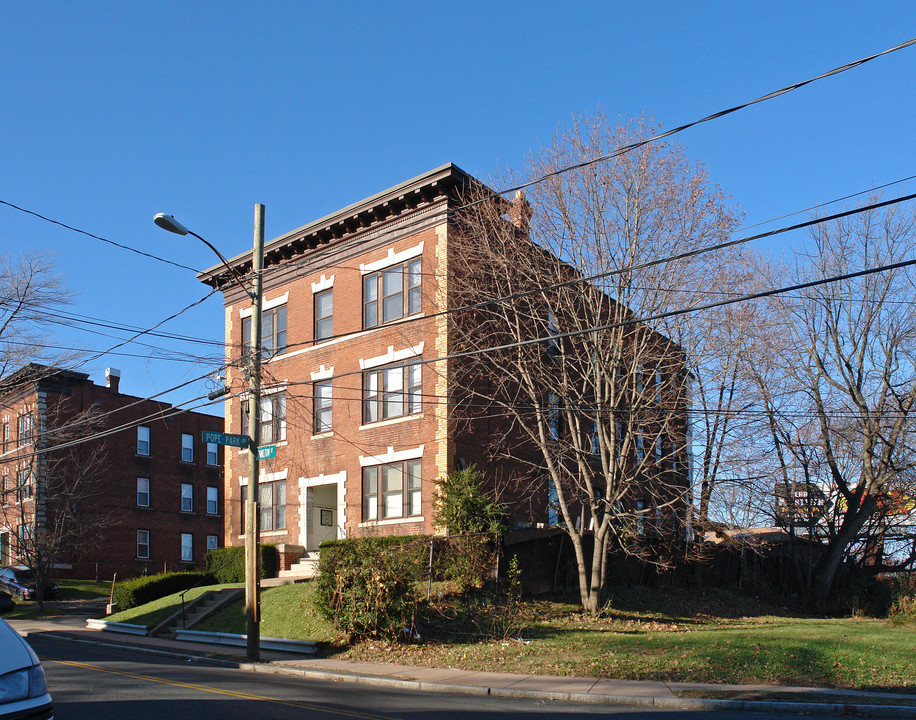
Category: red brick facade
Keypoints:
(159, 498)
(365, 433)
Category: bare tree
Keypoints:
(52, 505)
(570, 376)
(30, 291)
(841, 396)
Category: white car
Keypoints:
(23, 689)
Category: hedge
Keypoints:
(365, 584)
(141, 590)
(219, 563)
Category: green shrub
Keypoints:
(141, 590)
(465, 506)
(365, 586)
(465, 560)
(220, 563)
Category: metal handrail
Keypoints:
(225, 564)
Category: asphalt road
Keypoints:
(87, 681)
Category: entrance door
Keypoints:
(322, 516)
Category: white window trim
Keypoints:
(391, 456)
(392, 356)
(324, 283)
(392, 258)
(266, 477)
(266, 305)
(390, 421)
(322, 373)
(393, 521)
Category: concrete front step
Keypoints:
(305, 569)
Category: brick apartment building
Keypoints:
(356, 388)
(143, 496)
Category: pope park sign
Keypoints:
(239, 441)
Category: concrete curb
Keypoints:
(861, 710)
(301, 647)
(894, 711)
(128, 628)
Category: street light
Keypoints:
(252, 531)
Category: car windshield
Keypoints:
(24, 576)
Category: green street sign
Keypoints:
(265, 452)
(239, 441)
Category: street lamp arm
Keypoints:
(232, 271)
(168, 222)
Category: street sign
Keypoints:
(265, 452)
(239, 441)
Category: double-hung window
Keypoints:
(25, 428)
(142, 492)
(392, 293)
(187, 547)
(392, 491)
(187, 447)
(324, 314)
(25, 482)
(6, 435)
(273, 332)
(212, 500)
(273, 418)
(272, 501)
(323, 407)
(187, 497)
(143, 544)
(142, 440)
(212, 453)
(391, 392)
(212, 542)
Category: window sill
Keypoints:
(187, 462)
(392, 521)
(322, 435)
(143, 507)
(186, 512)
(141, 455)
(142, 559)
(269, 533)
(390, 421)
(214, 515)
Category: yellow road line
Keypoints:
(217, 691)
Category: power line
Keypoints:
(97, 237)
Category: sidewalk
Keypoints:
(450, 680)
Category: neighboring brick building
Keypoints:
(144, 498)
(356, 393)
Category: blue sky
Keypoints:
(114, 111)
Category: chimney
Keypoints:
(520, 212)
(112, 379)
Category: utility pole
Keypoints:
(252, 506)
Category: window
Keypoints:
(7, 440)
(212, 542)
(187, 497)
(324, 314)
(640, 448)
(659, 450)
(391, 491)
(143, 544)
(640, 519)
(143, 492)
(391, 392)
(212, 500)
(187, 547)
(272, 497)
(24, 425)
(322, 407)
(391, 294)
(273, 419)
(187, 447)
(142, 440)
(24, 484)
(6, 488)
(212, 454)
(273, 332)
